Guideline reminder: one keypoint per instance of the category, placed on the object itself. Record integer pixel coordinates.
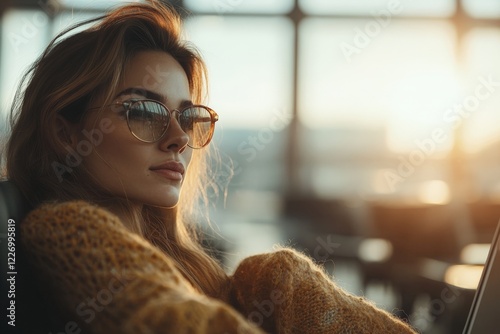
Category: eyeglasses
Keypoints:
(148, 121)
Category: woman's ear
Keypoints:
(66, 132)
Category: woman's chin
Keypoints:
(165, 198)
(163, 201)
(160, 202)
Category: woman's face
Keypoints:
(145, 173)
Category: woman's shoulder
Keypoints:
(72, 207)
(90, 235)
(73, 212)
(283, 258)
(78, 221)
(277, 268)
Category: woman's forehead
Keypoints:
(156, 75)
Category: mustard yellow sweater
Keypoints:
(102, 278)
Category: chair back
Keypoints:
(29, 315)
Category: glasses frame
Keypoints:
(214, 117)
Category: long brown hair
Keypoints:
(77, 68)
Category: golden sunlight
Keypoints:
(463, 276)
(434, 192)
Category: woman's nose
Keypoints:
(175, 138)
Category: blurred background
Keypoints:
(365, 133)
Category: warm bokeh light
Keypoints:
(475, 253)
(434, 192)
(375, 250)
(464, 276)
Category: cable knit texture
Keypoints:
(109, 280)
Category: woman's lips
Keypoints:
(171, 170)
(169, 174)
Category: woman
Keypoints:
(107, 132)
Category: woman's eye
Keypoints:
(140, 115)
(186, 123)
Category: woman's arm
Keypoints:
(285, 292)
(108, 280)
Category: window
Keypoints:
(24, 35)
(482, 8)
(240, 6)
(401, 79)
(482, 70)
(428, 8)
(250, 66)
(346, 81)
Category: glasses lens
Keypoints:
(148, 120)
(197, 123)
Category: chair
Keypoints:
(30, 311)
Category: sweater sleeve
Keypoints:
(109, 280)
(285, 292)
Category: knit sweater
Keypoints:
(102, 278)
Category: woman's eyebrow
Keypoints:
(151, 95)
(185, 104)
(143, 92)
